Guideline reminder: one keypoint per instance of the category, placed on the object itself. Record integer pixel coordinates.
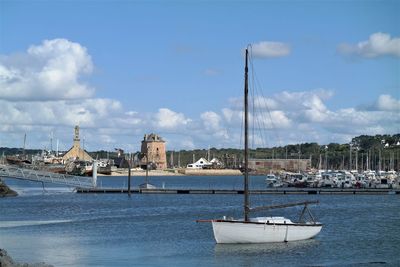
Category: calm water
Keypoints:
(68, 229)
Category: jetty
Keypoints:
(12, 171)
(282, 191)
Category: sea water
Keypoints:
(63, 228)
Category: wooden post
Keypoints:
(129, 179)
(94, 174)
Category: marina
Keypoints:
(199, 133)
(161, 229)
(283, 191)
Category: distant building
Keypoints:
(121, 160)
(200, 164)
(291, 165)
(76, 152)
(153, 147)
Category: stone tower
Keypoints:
(154, 148)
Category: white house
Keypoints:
(198, 164)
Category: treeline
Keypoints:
(367, 152)
(372, 152)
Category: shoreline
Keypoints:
(175, 172)
(7, 261)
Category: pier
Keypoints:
(10, 171)
(282, 191)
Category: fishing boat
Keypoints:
(262, 229)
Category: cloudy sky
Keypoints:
(329, 71)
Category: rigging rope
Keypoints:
(261, 102)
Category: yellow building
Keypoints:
(154, 148)
(76, 152)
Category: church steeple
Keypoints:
(76, 152)
(76, 137)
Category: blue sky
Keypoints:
(121, 69)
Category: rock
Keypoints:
(5, 191)
(7, 261)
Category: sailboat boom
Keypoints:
(283, 205)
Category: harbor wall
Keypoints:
(208, 172)
(291, 165)
(177, 172)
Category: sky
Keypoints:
(328, 71)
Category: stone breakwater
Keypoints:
(5, 191)
(7, 261)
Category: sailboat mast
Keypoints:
(246, 143)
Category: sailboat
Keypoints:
(262, 229)
(146, 184)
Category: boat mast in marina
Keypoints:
(246, 140)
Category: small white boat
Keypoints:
(147, 186)
(262, 229)
(273, 181)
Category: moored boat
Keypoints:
(262, 229)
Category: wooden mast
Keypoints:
(246, 144)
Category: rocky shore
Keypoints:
(5, 191)
(7, 261)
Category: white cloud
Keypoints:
(232, 116)
(212, 124)
(305, 98)
(355, 122)
(211, 120)
(306, 113)
(168, 119)
(49, 71)
(265, 103)
(106, 122)
(267, 49)
(42, 107)
(387, 102)
(378, 44)
(89, 112)
(279, 119)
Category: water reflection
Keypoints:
(260, 254)
(264, 248)
(58, 250)
(9, 224)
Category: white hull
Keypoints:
(249, 232)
